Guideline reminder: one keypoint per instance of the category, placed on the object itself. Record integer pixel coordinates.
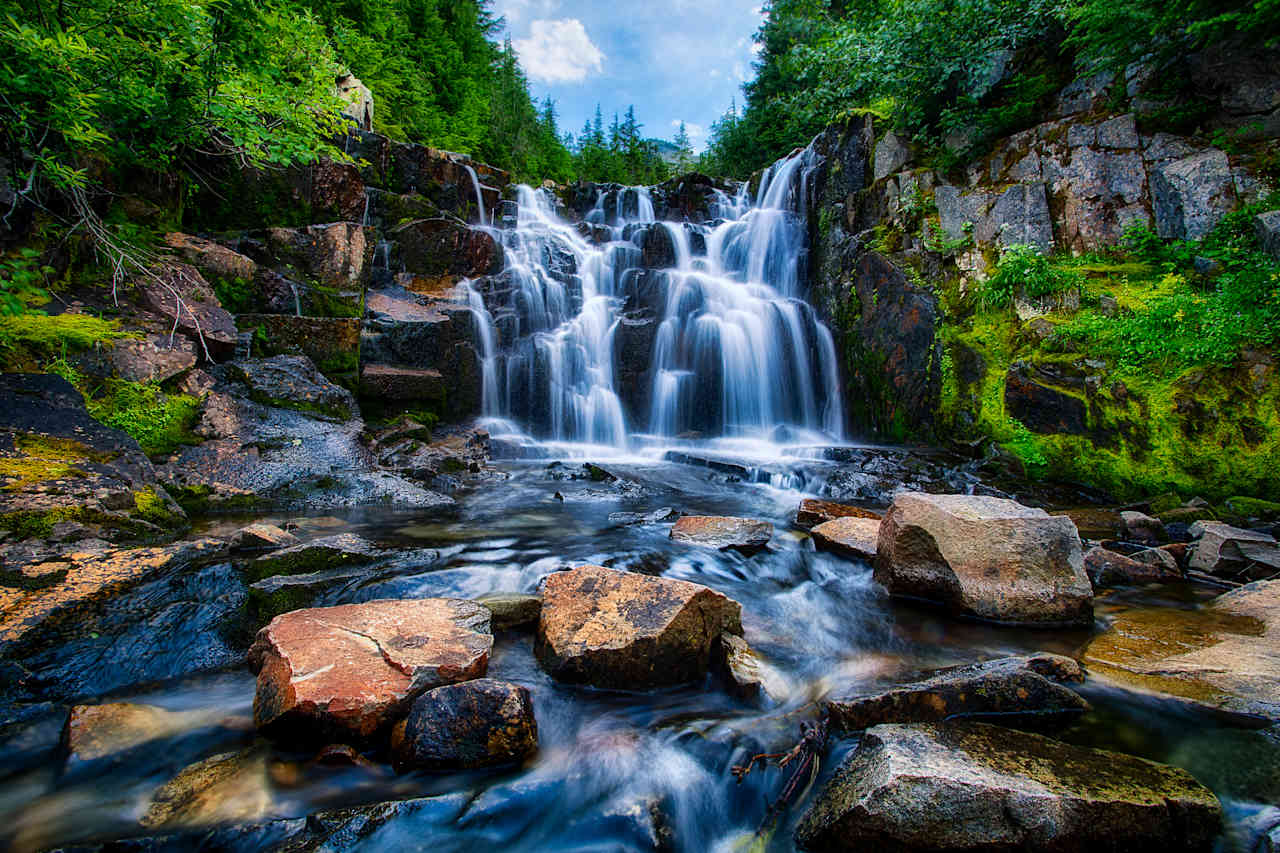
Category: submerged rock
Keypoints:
(985, 557)
(711, 531)
(328, 552)
(480, 723)
(1221, 549)
(512, 611)
(231, 787)
(95, 732)
(1107, 568)
(349, 671)
(971, 786)
(261, 537)
(813, 512)
(1025, 687)
(631, 631)
(1224, 656)
(848, 536)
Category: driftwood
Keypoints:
(803, 760)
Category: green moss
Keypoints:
(158, 421)
(27, 340)
(1253, 507)
(20, 472)
(36, 524)
(153, 508)
(196, 500)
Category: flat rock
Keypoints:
(327, 552)
(848, 536)
(1224, 550)
(986, 557)
(293, 382)
(1224, 656)
(712, 531)
(351, 670)
(813, 512)
(154, 358)
(971, 786)
(513, 611)
(1026, 687)
(1107, 568)
(261, 537)
(626, 630)
(657, 516)
(479, 723)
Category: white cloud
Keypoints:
(558, 51)
(516, 11)
(695, 131)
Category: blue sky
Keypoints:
(673, 59)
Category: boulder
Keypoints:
(178, 292)
(402, 384)
(971, 786)
(278, 594)
(712, 531)
(1224, 656)
(447, 250)
(891, 154)
(848, 537)
(480, 723)
(1190, 195)
(813, 512)
(1140, 527)
(1267, 227)
(1107, 568)
(986, 557)
(154, 358)
(1221, 549)
(512, 611)
(293, 382)
(357, 100)
(744, 673)
(631, 631)
(333, 673)
(332, 343)
(1028, 688)
(327, 552)
(214, 260)
(261, 536)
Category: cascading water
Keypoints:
(712, 314)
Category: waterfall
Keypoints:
(664, 329)
(475, 184)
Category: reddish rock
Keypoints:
(814, 512)
(212, 259)
(177, 291)
(624, 630)
(1107, 568)
(440, 247)
(985, 557)
(332, 673)
(848, 537)
(725, 533)
(261, 536)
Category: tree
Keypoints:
(684, 150)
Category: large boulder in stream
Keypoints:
(618, 629)
(1225, 550)
(350, 671)
(986, 557)
(972, 786)
(722, 532)
(1027, 688)
(479, 723)
(848, 536)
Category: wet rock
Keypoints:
(1224, 656)
(631, 631)
(1107, 568)
(220, 789)
(177, 291)
(327, 552)
(447, 250)
(58, 465)
(261, 537)
(848, 537)
(970, 786)
(480, 723)
(349, 671)
(1024, 688)
(293, 382)
(332, 343)
(429, 454)
(95, 732)
(402, 384)
(1221, 549)
(278, 594)
(985, 557)
(512, 611)
(657, 516)
(712, 531)
(1140, 527)
(744, 673)
(155, 358)
(813, 512)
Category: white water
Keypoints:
(730, 349)
(475, 184)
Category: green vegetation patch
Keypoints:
(159, 421)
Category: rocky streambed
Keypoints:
(580, 655)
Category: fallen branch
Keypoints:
(804, 760)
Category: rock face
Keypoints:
(971, 786)
(711, 531)
(1225, 550)
(624, 630)
(1225, 656)
(349, 671)
(985, 557)
(848, 537)
(293, 382)
(480, 723)
(1026, 687)
(813, 512)
(1107, 568)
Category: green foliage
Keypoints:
(22, 281)
(28, 340)
(620, 155)
(1024, 271)
(160, 422)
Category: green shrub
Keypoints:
(1026, 271)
